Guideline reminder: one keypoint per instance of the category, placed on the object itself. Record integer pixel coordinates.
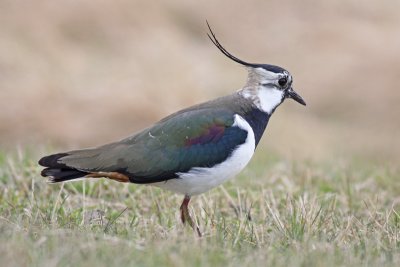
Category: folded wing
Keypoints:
(195, 138)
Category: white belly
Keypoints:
(199, 180)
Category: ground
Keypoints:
(275, 213)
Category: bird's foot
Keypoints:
(185, 216)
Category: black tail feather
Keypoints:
(62, 175)
(59, 172)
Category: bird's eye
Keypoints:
(282, 81)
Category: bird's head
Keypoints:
(267, 85)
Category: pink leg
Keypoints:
(185, 216)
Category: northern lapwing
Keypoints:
(192, 150)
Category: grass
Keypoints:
(275, 213)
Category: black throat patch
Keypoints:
(258, 121)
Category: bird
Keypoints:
(192, 150)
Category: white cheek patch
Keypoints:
(269, 98)
(262, 89)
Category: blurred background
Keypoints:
(83, 73)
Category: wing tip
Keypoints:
(51, 161)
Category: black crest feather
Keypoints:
(215, 41)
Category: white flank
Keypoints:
(199, 180)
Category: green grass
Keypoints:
(275, 213)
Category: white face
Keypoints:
(269, 92)
(269, 98)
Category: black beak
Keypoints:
(290, 93)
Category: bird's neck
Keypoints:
(257, 118)
(258, 121)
